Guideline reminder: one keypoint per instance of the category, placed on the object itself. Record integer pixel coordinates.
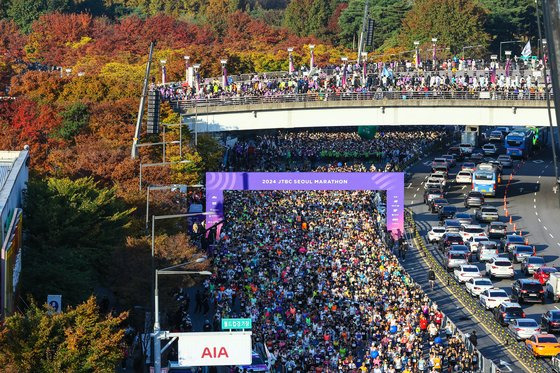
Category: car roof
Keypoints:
(510, 304)
(456, 252)
(501, 223)
(473, 226)
(514, 237)
(488, 208)
(468, 266)
(528, 281)
(523, 247)
(498, 289)
(545, 335)
(452, 222)
(453, 234)
(465, 214)
(501, 259)
(458, 246)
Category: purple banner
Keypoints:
(391, 182)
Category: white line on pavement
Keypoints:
(557, 307)
(536, 213)
(545, 228)
(534, 206)
(464, 186)
(409, 185)
(414, 196)
(539, 219)
(534, 200)
(426, 177)
(540, 176)
(417, 189)
(551, 236)
(558, 243)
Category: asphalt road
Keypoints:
(534, 207)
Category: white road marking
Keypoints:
(534, 206)
(422, 183)
(540, 176)
(558, 243)
(551, 236)
(535, 193)
(539, 219)
(538, 181)
(536, 213)
(545, 228)
(557, 307)
(417, 189)
(464, 186)
(414, 196)
(426, 177)
(409, 185)
(534, 200)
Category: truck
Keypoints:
(552, 289)
(469, 138)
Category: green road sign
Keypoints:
(230, 324)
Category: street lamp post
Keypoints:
(417, 54)
(434, 50)
(364, 68)
(508, 63)
(344, 66)
(290, 61)
(312, 57)
(163, 71)
(187, 66)
(196, 67)
(224, 73)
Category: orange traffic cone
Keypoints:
(507, 214)
(514, 228)
(534, 250)
(511, 219)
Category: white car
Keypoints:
(463, 177)
(524, 328)
(472, 230)
(439, 176)
(473, 243)
(466, 272)
(492, 298)
(475, 286)
(435, 234)
(433, 183)
(499, 267)
(489, 149)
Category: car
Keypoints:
(463, 177)
(457, 152)
(433, 192)
(466, 148)
(451, 160)
(532, 264)
(466, 272)
(499, 267)
(507, 311)
(435, 234)
(468, 166)
(455, 259)
(527, 290)
(437, 203)
(498, 166)
(433, 183)
(461, 248)
(487, 214)
(464, 218)
(492, 298)
(543, 345)
(550, 321)
(474, 199)
(542, 274)
(489, 149)
(474, 243)
(444, 169)
(439, 176)
(257, 364)
(448, 239)
(524, 328)
(487, 250)
(447, 212)
(509, 240)
(496, 136)
(439, 162)
(477, 156)
(475, 286)
(505, 160)
(496, 229)
(504, 130)
(452, 225)
(472, 230)
(520, 252)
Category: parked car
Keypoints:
(509, 240)
(435, 204)
(524, 328)
(448, 239)
(542, 274)
(499, 267)
(435, 234)
(532, 264)
(468, 166)
(487, 214)
(433, 192)
(505, 160)
(489, 149)
(527, 290)
(543, 345)
(466, 272)
(475, 286)
(550, 321)
(508, 311)
(455, 259)
(487, 251)
(463, 177)
(447, 212)
(496, 229)
(520, 252)
(464, 218)
(474, 199)
(492, 298)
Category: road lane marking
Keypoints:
(464, 186)
(534, 200)
(540, 176)
(539, 219)
(545, 228)
(426, 177)
(409, 185)
(536, 213)
(417, 189)
(534, 206)
(414, 196)
(558, 243)
(551, 236)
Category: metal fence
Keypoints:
(357, 96)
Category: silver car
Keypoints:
(487, 214)
(455, 259)
(505, 160)
(530, 264)
(524, 328)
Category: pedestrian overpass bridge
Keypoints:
(362, 109)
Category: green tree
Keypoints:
(24, 12)
(74, 119)
(455, 23)
(79, 339)
(211, 151)
(350, 22)
(72, 227)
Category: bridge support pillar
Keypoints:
(471, 135)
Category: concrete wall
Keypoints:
(11, 195)
(368, 112)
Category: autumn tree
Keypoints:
(217, 12)
(24, 12)
(79, 339)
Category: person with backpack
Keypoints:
(432, 278)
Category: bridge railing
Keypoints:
(354, 96)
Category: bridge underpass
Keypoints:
(300, 112)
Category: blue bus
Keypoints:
(519, 143)
(485, 182)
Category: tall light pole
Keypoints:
(364, 68)
(417, 54)
(434, 50)
(160, 164)
(508, 63)
(224, 73)
(187, 67)
(196, 67)
(344, 64)
(290, 61)
(163, 71)
(312, 57)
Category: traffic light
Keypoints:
(153, 112)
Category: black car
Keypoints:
(550, 321)
(474, 199)
(496, 229)
(447, 212)
(449, 239)
(527, 290)
(456, 151)
(432, 193)
(436, 204)
(508, 311)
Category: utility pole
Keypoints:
(364, 23)
(134, 152)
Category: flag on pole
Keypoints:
(224, 78)
(291, 68)
(163, 75)
(508, 68)
(526, 52)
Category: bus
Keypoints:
(485, 182)
(519, 143)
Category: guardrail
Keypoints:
(355, 96)
(500, 333)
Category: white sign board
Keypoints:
(215, 349)
(55, 301)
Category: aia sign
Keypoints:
(214, 349)
(214, 353)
